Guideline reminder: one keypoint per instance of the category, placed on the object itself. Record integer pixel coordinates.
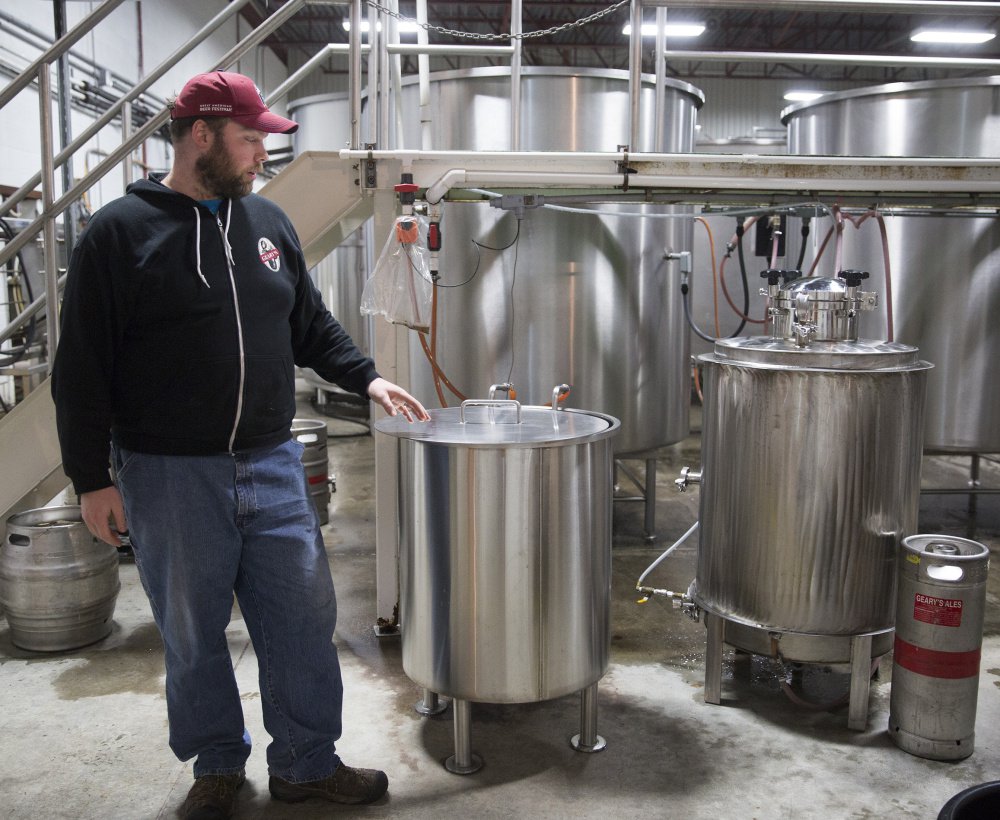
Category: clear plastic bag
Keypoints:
(401, 287)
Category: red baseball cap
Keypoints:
(228, 94)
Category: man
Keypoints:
(187, 306)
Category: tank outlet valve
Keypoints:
(688, 476)
(679, 600)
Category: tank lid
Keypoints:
(502, 423)
(816, 288)
(859, 355)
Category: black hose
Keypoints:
(805, 235)
(690, 320)
(743, 278)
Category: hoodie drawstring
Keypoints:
(225, 233)
(197, 246)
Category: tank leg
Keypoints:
(588, 740)
(649, 523)
(430, 704)
(463, 761)
(861, 677)
(714, 625)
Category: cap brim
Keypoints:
(269, 122)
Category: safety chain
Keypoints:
(597, 15)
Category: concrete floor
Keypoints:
(83, 733)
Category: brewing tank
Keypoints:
(953, 327)
(810, 472)
(577, 297)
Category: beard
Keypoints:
(219, 176)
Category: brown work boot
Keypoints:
(345, 785)
(213, 796)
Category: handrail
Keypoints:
(50, 212)
(253, 39)
(133, 94)
(58, 48)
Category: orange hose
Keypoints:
(437, 379)
(715, 287)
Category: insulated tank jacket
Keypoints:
(181, 330)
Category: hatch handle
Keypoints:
(492, 404)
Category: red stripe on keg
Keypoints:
(316, 479)
(936, 664)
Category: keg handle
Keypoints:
(492, 404)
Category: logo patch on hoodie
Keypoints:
(269, 254)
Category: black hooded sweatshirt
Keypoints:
(181, 329)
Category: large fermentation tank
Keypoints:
(590, 300)
(952, 326)
(810, 477)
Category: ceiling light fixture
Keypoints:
(670, 30)
(952, 36)
(403, 27)
(803, 96)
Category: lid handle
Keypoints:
(493, 405)
(557, 391)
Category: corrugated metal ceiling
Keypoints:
(746, 26)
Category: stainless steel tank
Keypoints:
(953, 326)
(810, 477)
(589, 301)
(505, 550)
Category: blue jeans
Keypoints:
(202, 528)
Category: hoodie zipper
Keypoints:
(239, 327)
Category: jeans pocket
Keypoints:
(120, 461)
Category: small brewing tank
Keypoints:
(505, 556)
(810, 477)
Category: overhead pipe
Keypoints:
(660, 73)
(424, 78)
(375, 136)
(354, 74)
(834, 59)
(635, 74)
(385, 81)
(515, 76)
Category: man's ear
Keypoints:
(201, 134)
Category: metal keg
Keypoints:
(810, 477)
(505, 551)
(312, 434)
(936, 654)
(58, 583)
